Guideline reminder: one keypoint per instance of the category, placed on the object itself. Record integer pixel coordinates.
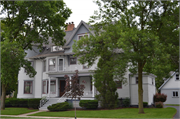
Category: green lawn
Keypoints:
(16, 111)
(119, 113)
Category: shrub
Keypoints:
(34, 103)
(14, 102)
(23, 103)
(89, 104)
(126, 102)
(159, 104)
(145, 104)
(7, 103)
(158, 97)
(59, 106)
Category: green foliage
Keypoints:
(16, 102)
(34, 103)
(159, 104)
(142, 33)
(30, 22)
(59, 106)
(126, 102)
(145, 104)
(160, 97)
(89, 104)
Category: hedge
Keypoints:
(59, 106)
(16, 102)
(89, 104)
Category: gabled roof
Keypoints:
(167, 80)
(75, 31)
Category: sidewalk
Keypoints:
(25, 115)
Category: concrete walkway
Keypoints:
(176, 116)
(41, 117)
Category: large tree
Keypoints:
(139, 29)
(25, 23)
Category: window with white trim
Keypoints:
(175, 94)
(56, 48)
(44, 66)
(61, 65)
(82, 35)
(152, 82)
(52, 64)
(177, 76)
(44, 87)
(53, 87)
(28, 85)
(73, 60)
(118, 84)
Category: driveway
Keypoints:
(176, 116)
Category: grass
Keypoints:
(118, 113)
(16, 111)
(172, 104)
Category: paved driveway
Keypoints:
(176, 116)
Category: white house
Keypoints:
(55, 61)
(171, 87)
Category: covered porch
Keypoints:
(54, 86)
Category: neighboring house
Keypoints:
(55, 61)
(171, 87)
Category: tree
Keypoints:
(28, 23)
(73, 89)
(139, 36)
(12, 59)
(33, 22)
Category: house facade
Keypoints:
(56, 61)
(171, 87)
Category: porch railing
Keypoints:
(43, 101)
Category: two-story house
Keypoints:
(55, 61)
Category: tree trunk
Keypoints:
(140, 89)
(3, 97)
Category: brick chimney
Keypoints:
(70, 26)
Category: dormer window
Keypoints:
(56, 48)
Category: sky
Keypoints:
(81, 10)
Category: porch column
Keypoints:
(49, 87)
(92, 87)
(70, 78)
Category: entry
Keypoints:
(62, 84)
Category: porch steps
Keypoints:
(50, 102)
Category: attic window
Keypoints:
(57, 48)
(82, 35)
(177, 76)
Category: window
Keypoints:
(56, 48)
(118, 84)
(60, 65)
(73, 60)
(52, 64)
(44, 87)
(175, 93)
(32, 64)
(82, 35)
(53, 86)
(28, 87)
(136, 80)
(152, 82)
(177, 76)
(44, 66)
(85, 67)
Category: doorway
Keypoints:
(62, 84)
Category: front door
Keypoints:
(62, 84)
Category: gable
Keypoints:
(81, 30)
(171, 83)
